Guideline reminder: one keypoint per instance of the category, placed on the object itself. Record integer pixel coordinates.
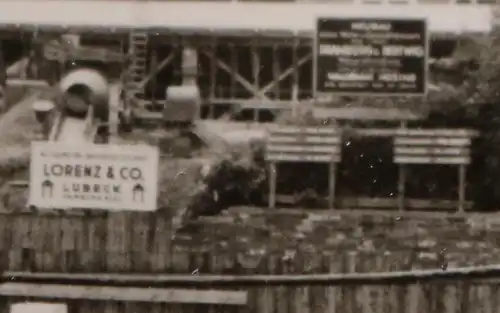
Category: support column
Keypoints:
(256, 67)
(153, 64)
(276, 72)
(295, 79)
(189, 69)
(189, 66)
(213, 80)
(36, 69)
(3, 79)
(233, 59)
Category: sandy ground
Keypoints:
(232, 133)
(19, 120)
(18, 127)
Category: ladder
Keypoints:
(138, 62)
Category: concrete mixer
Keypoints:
(81, 88)
(84, 100)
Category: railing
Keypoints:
(397, 292)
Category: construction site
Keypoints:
(272, 196)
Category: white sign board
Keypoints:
(108, 177)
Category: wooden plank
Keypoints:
(433, 150)
(140, 251)
(411, 204)
(52, 251)
(278, 157)
(303, 149)
(412, 298)
(40, 307)
(25, 231)
(431, 160)
(304, 140)
(308, 130)
(124, 294)
(366, 114)
(436, 132)
(352, 264)
(455, 274)
(68, 233)
(5, 234)
(334, 293)
(40, 226)
(440, 141)
(268, 297)
(161, 243)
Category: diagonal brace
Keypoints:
(164, 63)
(289, 71)
(240, 79)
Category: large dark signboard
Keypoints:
(371, 56)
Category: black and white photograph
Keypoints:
(249, 156)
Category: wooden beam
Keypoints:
(153, 64)
(233, 58)
(276, 72)
(366, 114)
(190, 63)
(256, 67)
(295, 78)
(213, 77)
(240, 79)
(256, 103)
(157, 295)
(292, 69)
(3, 66)
(263, 280)
(164, 63)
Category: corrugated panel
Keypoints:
(433, 146)
(304, 144)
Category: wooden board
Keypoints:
(304, 144)
(124, 294)
(433, 146)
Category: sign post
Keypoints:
(371, 57)
(107, 177)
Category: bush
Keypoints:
(233, 178)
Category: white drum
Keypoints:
(83, 87)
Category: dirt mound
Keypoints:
(193, 181)
(18, 127)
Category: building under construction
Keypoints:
(109, 57)
(113, 62)
(253, 55)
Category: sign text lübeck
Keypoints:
(93, 176)
(371, 56)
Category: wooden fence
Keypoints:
(144, 243)
(470, 292)
(79, 245)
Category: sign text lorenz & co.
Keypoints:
(94, 176)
